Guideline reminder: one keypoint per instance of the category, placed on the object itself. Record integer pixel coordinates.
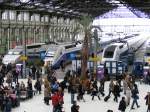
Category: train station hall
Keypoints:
(74, 55)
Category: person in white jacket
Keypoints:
(128, 95)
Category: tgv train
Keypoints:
(57, 54)
(115, 51)
(108, 38)
(14, 55)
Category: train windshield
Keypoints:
(147, 54)
(109, 52)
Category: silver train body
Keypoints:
(14, 55)
(57, 53)
(113, 52)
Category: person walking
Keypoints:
(55, 101)
(116, 92)
(15, 75)
(8, 105)
(135, 96)
(9, 78)
(38, 85)
(33, 68)
(125, 86)
(29, 88)
(80, 92)
(1, 79)
(128, 96)
(111, 87)
(95, 91)
(72, 91)
(101, 91)
(147, 98)
(46, 95)
(122, 105)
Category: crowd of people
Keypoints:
(125, 85)
(12, 91)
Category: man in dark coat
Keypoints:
(15, 75)
(9, 67)
(38, 85)
(1, 79)
(95, 91)
(122, 105)
(80, 93)
(116, 92)
(33, 71)
(29, 88)
(72, 91)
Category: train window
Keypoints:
(33, 46)
(147, 54)
(69, 46)
(109, 52)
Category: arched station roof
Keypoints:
(69, 8)
(138, 5)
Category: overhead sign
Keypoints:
(23, 58)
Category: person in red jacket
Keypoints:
(61, 96)
(55, 101)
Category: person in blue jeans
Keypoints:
(135, 96)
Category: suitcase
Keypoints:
(106, 98)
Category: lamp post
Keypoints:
(24, 45)
(95, 48)
(8, 33)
